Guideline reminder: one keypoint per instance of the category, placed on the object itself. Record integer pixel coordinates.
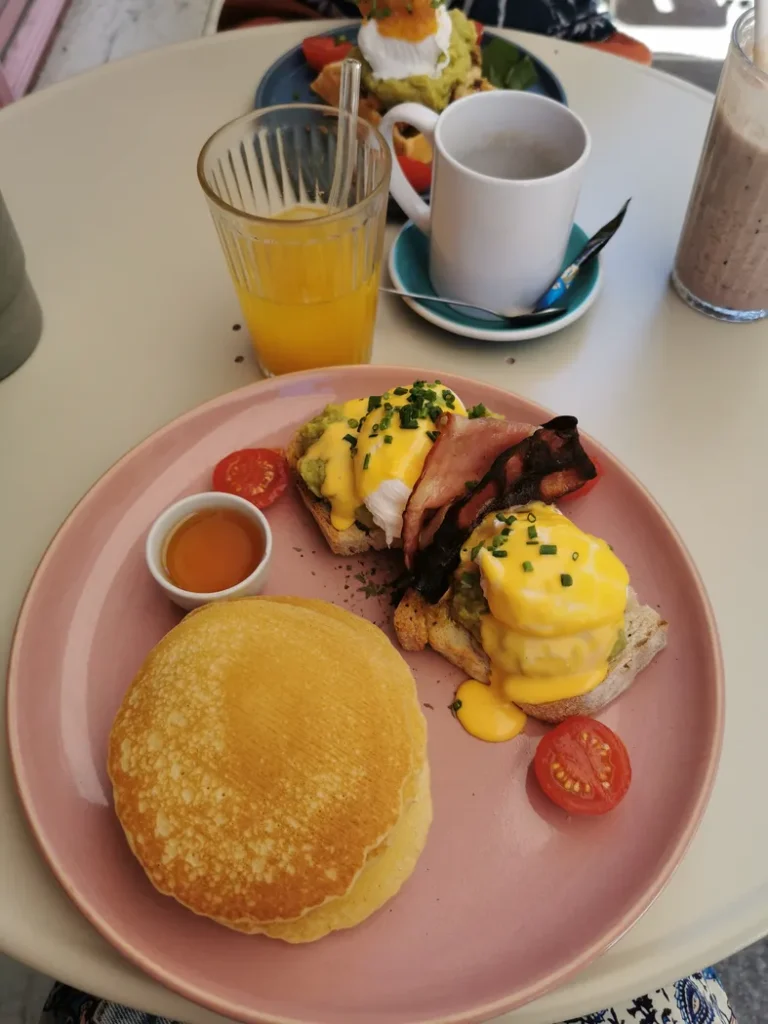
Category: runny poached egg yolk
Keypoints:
(407, 43)
(555, 598)
(375, 454)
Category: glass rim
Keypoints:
(329, 218)
(740, 25)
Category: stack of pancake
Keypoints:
(269, 767)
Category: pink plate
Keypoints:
(510, 896)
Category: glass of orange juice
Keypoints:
(307, 278)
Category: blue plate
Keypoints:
(409, 270)
(289, 79)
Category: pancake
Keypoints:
(373, 635)
(261, 760)
(381, 878)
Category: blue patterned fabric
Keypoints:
(578, 20)
(698, 999)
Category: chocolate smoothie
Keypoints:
(722, 257)
(721, 267)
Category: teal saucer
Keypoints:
(409, 270)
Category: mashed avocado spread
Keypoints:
(468, 601)
(312, 471)
(432, 92)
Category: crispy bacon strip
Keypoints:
(542, 467)
(464, 451)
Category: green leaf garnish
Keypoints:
(505, 66)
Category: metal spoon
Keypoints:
(525, 319)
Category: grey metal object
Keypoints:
(21, 319)
(699, 71)
(525, 318)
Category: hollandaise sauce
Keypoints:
(547, 603)
(486, 713)
(309, 295)
(371, 453)
(213, 550)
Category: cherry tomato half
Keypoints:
(479, 28)
(590, 485)
(322, 50)
(418, 174)
(583, 766)
(260, 475)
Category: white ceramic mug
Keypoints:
(498, 235)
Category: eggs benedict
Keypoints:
(357, 462)
(542, 617)
(410, 51)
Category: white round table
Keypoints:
(99, 174)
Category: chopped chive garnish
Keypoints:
(433, 434)
(438, 382)
(527, 567)
(388, 439)
(548, 549)
(453, 708)
(531, 517)
(530, 542)
(367, 461)
(611, 546)
(469, 578)
(475, 551)
(497, 541)
(351, 438)
(409, 425)
(401, 391)
(477, 411)
(352, 423)
(566, 580)
(388, 407)
(575, 556)
(499, 553)
(374, 402)
(469, 484)
(506, 531)
(532, 532)
(434, 412)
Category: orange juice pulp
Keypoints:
(311, 295)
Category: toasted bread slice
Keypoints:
(353, 540)
(418, 623)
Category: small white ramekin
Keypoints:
(166, 522)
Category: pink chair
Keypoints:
(26, 31)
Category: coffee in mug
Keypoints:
(506, 175)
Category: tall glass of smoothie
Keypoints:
(721, 267)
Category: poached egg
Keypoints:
(414, 41)
(375, 451)
(552, 600)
